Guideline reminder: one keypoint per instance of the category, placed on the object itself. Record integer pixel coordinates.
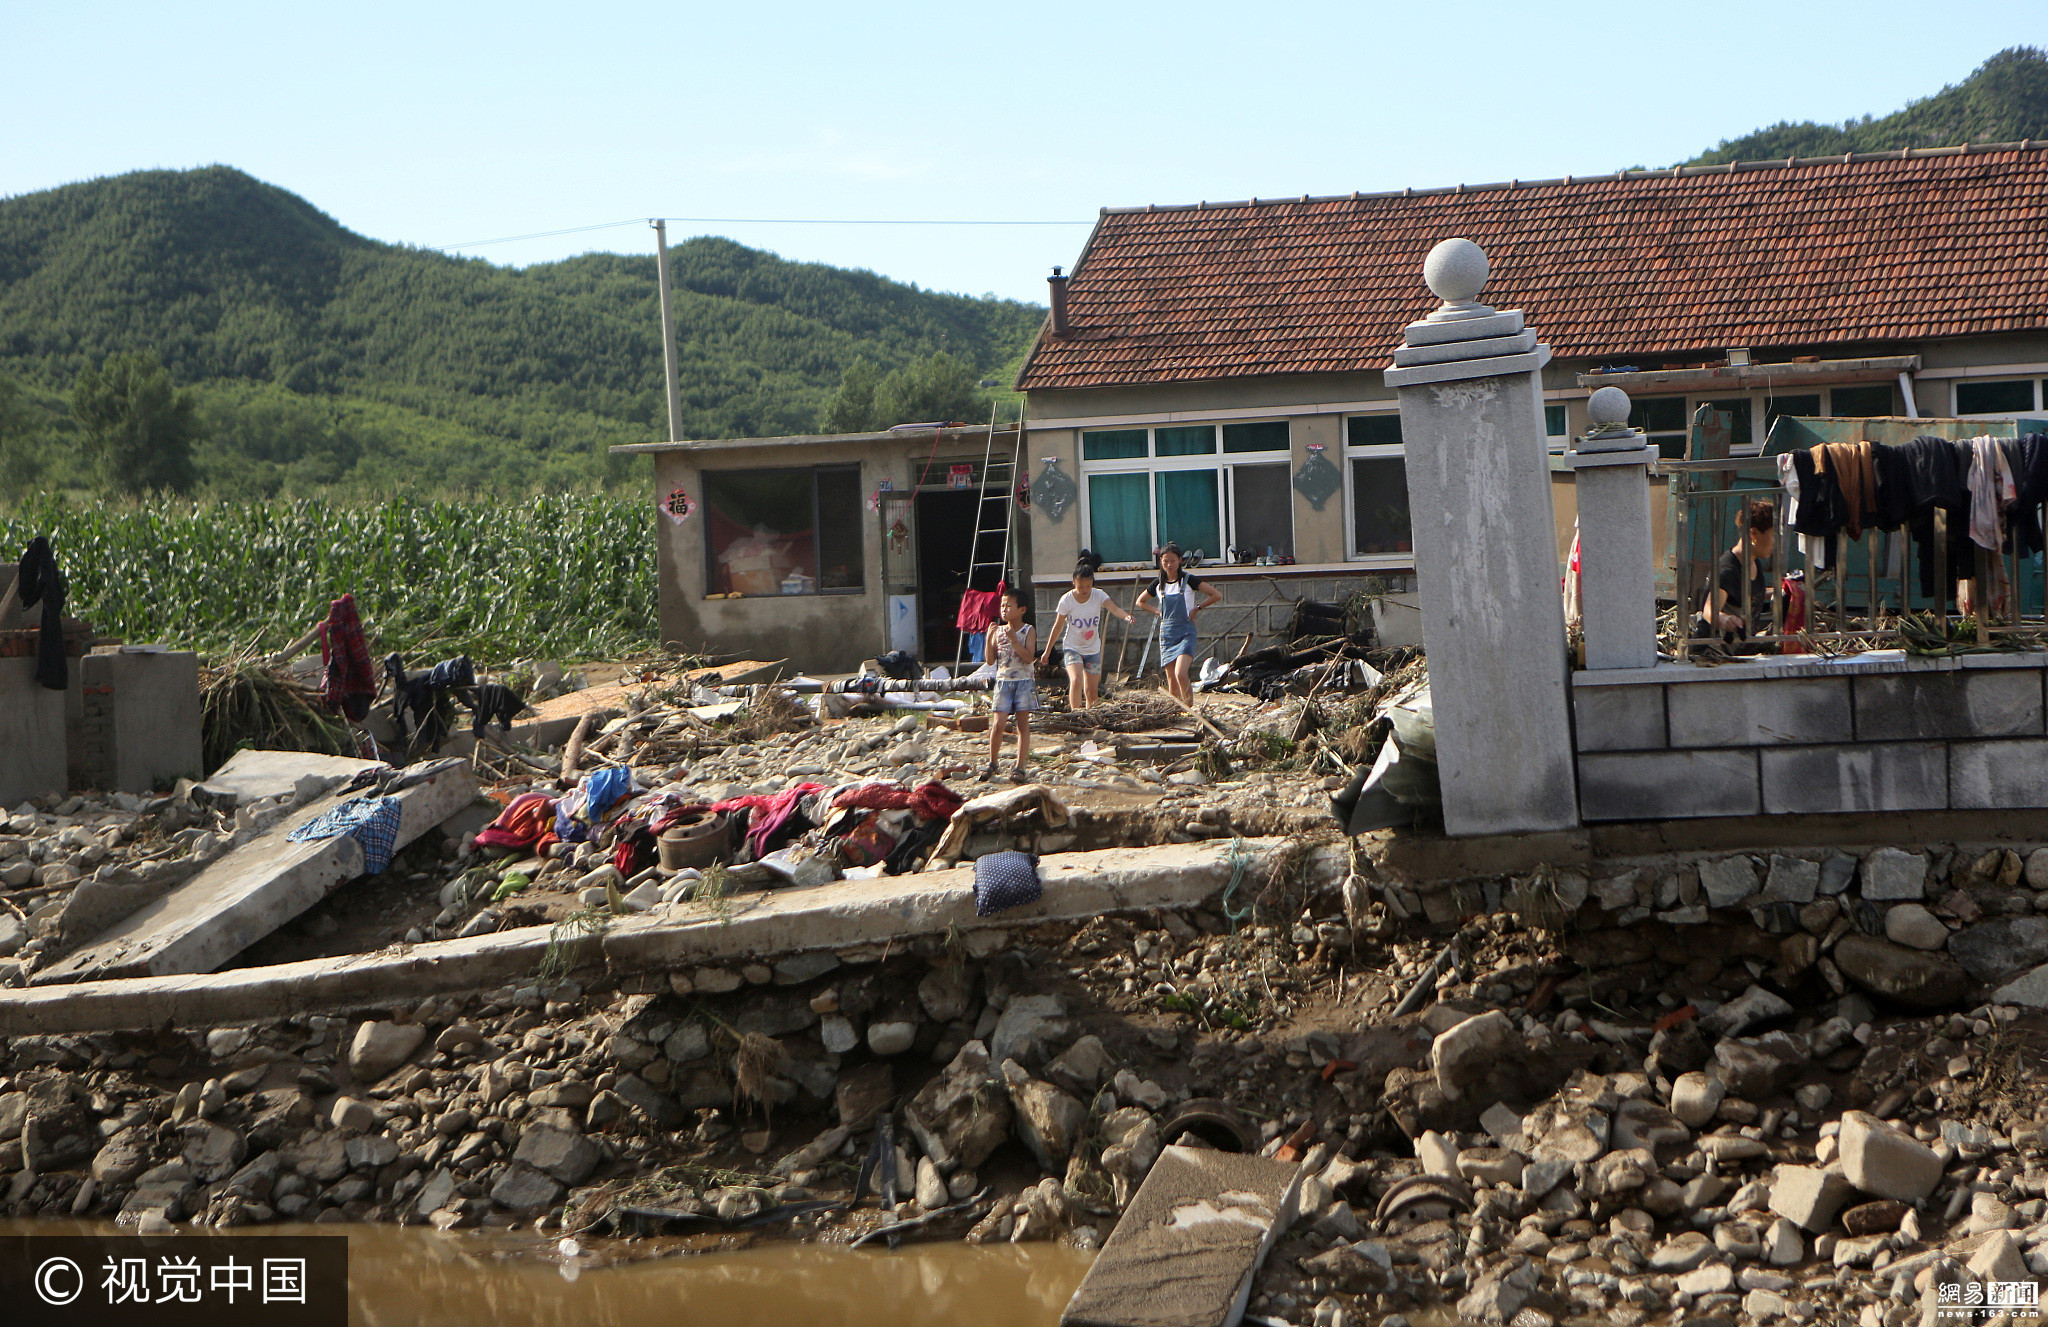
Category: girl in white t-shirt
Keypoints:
(1078, 631)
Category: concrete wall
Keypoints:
(135, 721)
(1259, 600)
(1886, 734)
(33, 759)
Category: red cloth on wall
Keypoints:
(979, 609)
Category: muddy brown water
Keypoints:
(400, 1276)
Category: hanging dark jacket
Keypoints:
(2028, 455)
(39, 581)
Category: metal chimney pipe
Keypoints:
(1058, 287)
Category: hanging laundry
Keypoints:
(497, 704)
(979, 609)
(350, 678)
(37, 580)
(2029, 455)
(1991, 489)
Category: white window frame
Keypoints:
(1375, 451)
(1558, 443)
(2035, 409)
(1152, 464)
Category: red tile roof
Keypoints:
(1873, 247)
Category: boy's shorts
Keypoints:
(1016, 697)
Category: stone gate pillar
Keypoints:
(1486, 555)
(1617, 565)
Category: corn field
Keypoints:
(567, 578)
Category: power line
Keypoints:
(756, 221)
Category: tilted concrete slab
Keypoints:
(835, 916)
(1185, 1250)
(250, 892)
(254, 775)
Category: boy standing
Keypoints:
(1016, 691)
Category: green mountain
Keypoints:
(319, 357)
(2004, 101)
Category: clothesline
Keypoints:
(1988, 490)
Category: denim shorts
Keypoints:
(1090, 663)
(1019, 697)
(1176, 640)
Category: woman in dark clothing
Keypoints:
(1721, 612)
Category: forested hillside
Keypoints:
(314, 358)
(2004, 101)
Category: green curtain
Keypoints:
(1187, 511)
(1119, 518)
(1197, 440)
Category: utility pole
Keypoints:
(668, 333)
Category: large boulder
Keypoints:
(125, 1155)
(1465, 1055)
(1049, 1122)
(379, 1048)
(1885, 1163)
(1994, 950)
(1027, 1029)
(967, 1106)
(1910, 977)
(563, 1154)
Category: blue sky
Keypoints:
(438, 124)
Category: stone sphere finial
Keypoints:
(1456, 271)
(1608, 407)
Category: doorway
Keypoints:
(945, 533)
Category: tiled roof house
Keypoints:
(1199, 358)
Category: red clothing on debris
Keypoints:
(351, 681)
(529, 823)
(930, 801)
(769, 815)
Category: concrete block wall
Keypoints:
(33, 758)
(1888, 733)
(134, 721)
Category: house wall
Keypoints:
(1316, 404)
(815, 632)
(1879, 732)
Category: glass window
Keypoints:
(1379, 505)
(1657, 414)
(1267, 437)
(1120, 517)
(1554, 418)
(1197, 441)
(841, 530)
(1261, 511)
(1373, 430)
(1805, 407)
(1731, 415)
(1860, 402)
(1187, 511)
(1118, 446)
(1995, 398)
(766, 531)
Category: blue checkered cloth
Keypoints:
(1005, 880)
(370, 821)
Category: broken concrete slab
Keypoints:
(1187, 1247)
(835, 916)
(255, 775)
(253, 889)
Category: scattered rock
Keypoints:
(1885, 1163)
(1912, 977)
(379, 1048)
